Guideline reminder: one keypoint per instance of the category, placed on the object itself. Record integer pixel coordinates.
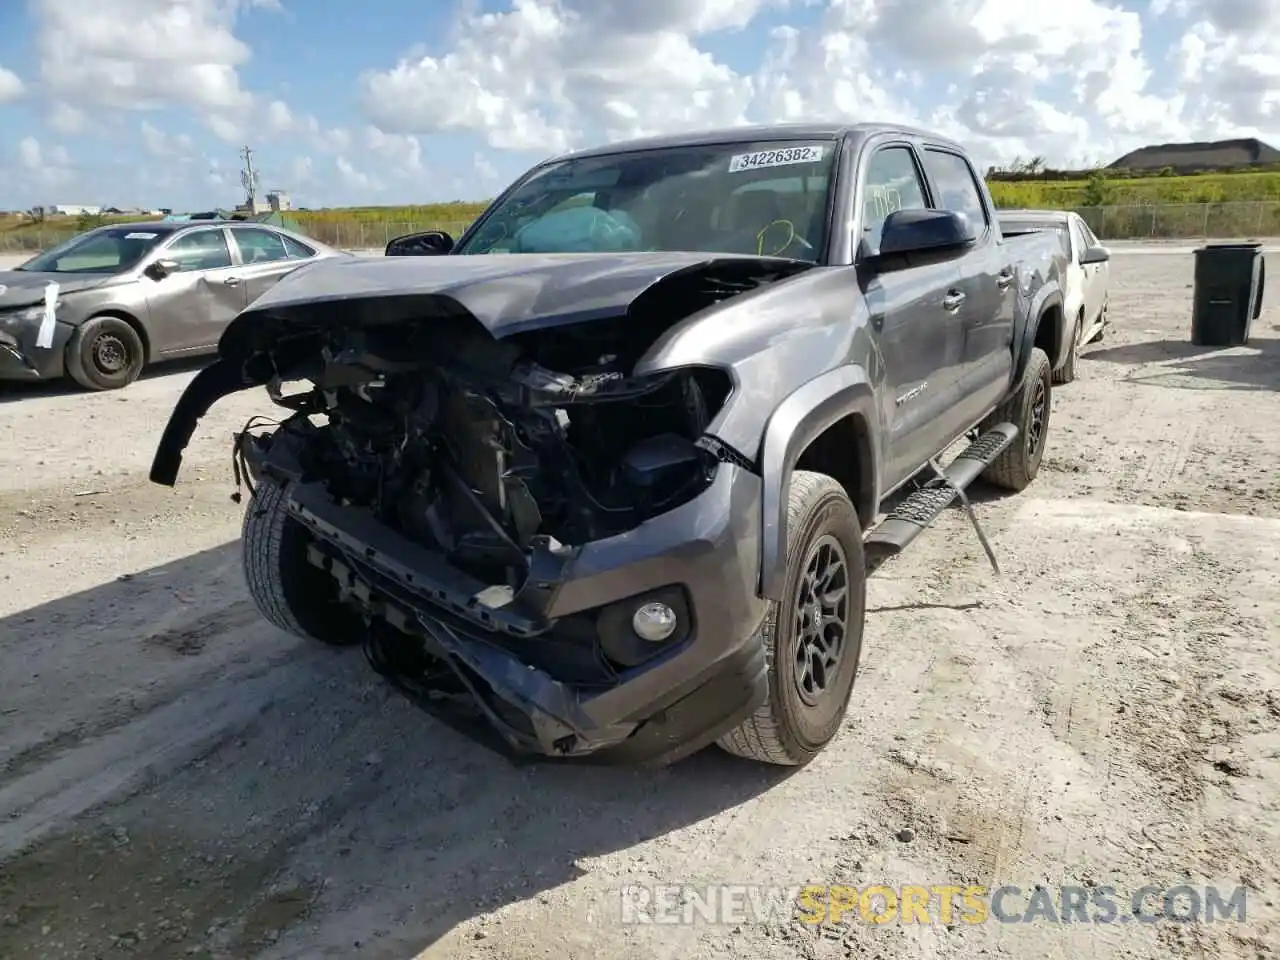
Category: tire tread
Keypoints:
(760, 737)
(1010, 469)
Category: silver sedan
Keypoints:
(103, 305)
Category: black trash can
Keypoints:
(1228, 293)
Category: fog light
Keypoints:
(654, 622)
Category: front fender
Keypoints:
(796, 423)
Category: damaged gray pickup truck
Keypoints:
(605, 478)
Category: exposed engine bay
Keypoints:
(474, 446)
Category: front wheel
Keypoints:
(813, 638)
(288, 591)
(105, 353)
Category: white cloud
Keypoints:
(143, 55)
(354, 179)
(1089, 82)
(29, 153)
(160, 144)
(541, 75)
(397, 153)
(44, 167)
(11, 85)
(546, 75)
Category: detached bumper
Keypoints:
(705, 553)
(21, 359)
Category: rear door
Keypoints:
(920, 340)
(986, 281)
(191, 307)
(266, 257)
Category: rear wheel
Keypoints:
(105, 353)
(813, 638)
(1028, 410)
(288, 591)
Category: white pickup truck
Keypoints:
(1086, 280)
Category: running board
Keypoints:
(915, 514)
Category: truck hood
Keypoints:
(20, 288)
(506, 293)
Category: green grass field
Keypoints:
(1221, 205)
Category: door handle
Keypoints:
(232, 281)
(1004, 278)
(951, 302)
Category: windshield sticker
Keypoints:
(44, 337)
(776, 158)
(139, 236)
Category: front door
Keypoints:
(1095, 276)
(914, 315)
(191, 307)
(265, 258)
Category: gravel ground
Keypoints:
(177, 779)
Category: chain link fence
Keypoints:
(1185, 221)
(361, 235)
(1180, 221)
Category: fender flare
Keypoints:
(797, 422)
(1050, 295)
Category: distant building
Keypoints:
(73, 210)
(1193, 157)
(278, 201)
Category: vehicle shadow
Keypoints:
(325, 784)
(12, 391)
(1255, 366)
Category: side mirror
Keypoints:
(1094, 255)
(162, 268)
(925, 231)
(431, 243)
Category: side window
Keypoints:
(1064, 234)
(260, 246)
(202, 250)
(296, 250)
(1078, 238)
(957, 188)
(893, 183)
(1089, 235)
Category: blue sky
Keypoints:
(147, 102)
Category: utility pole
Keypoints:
(249, 177)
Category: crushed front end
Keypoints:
(538, 543)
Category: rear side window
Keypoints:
(957, 188)
(296, 250)
(260, 246)
(893, 184)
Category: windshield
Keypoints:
(105, 250)
(761, 198)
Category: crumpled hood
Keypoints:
(507, 293)
(18, 288)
